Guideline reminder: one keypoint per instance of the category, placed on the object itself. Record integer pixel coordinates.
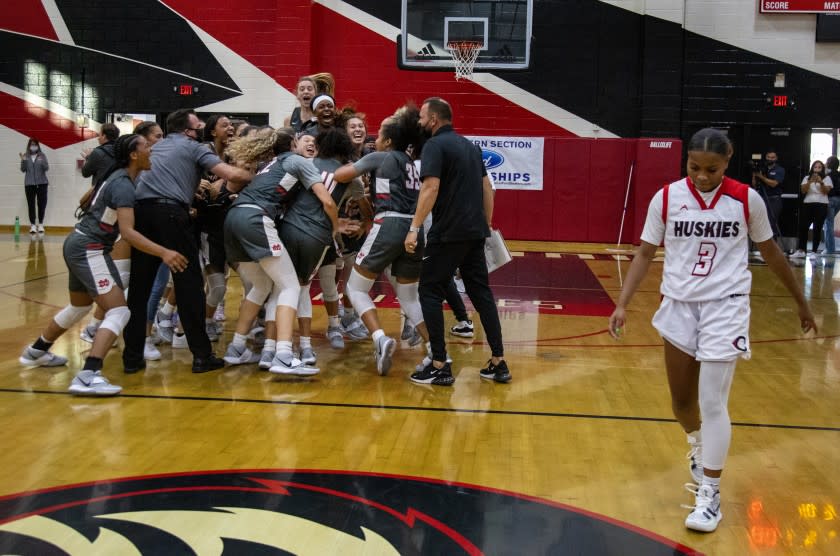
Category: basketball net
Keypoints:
(464, 55)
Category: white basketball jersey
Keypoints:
(706, 244)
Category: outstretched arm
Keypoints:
(638, 269)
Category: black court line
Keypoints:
(419, 408)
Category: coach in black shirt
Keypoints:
(458, 193)
(163, 197)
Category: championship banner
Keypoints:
(513, 162)
(798, 6)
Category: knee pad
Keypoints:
(357, 290)
(327, 276)
(215, 288)
(410, 302)
(70, 315)
(304, 306)
(124, 268)
(116, 319)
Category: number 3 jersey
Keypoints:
(706, 238)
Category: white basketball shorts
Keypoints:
(717, 330)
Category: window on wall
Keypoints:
(822, 144)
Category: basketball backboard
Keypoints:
(503, 27)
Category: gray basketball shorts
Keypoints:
(250, 235)
(385, 245)
(307, 252)
(92, 270)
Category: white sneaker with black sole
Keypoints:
(706, 513)
(464, 329)
(92, 383)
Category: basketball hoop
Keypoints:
(464, 55)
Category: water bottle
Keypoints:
(17, 228)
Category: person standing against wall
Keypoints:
(458, 193)
(34, 165)
(831, 165)
(768, 181)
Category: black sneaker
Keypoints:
(464, 329)
(430, 375)
(499, 373)
(206, 364)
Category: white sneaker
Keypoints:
(459, 285)
(150, 352)
(39, 358)
(219, 314)
(307, 356)
(266, 358)
(164, 326)
(798, 254)
(40, 228)
(32, 229)
(335, 337)
(179, 341)
(88, 333)
(211, 331)
(293, 366)
(92, 383)
(383, 352)
(354, 328)
(239, 355)
(695, 459)
(464, 329)
(706, 513)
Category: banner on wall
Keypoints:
(799, 6)
(513, 162)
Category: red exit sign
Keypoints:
(185, 90)
(780, 101)
(799, 6)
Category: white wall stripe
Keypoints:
(57, 21)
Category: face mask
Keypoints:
(33, 149)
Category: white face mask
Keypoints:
(33, 149)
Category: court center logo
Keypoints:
(305, 512)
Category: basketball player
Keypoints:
(705, 221)
(93, 274)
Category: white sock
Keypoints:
(270, 345)
(712, 481)
(335, 321)
(305, 342)
(284, 348)
(239, 339)
(167, 309)
(95, 322)
(350, 313)
(377, 334)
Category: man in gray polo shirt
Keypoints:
(164, 195)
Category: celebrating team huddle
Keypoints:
(280, 207)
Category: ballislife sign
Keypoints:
(513, 162)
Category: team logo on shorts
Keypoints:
(276, 247)
(104, 283)
(306, 512)
(740, 343)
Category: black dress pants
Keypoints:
(167, 223)
(439, 263)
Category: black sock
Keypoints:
(93, 364)
(42, 344)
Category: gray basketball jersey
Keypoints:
(100, 222)
(270, 188)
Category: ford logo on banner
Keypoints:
(492, 159)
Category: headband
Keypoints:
(319, 99)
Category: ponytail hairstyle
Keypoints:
(324, 83)
(402, 128)
(123, 147)
(711, 140)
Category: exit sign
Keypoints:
(780, 101)
(185, 90)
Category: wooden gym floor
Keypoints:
(585, 428)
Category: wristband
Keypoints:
(413, 229)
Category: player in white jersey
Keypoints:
(704, 221)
